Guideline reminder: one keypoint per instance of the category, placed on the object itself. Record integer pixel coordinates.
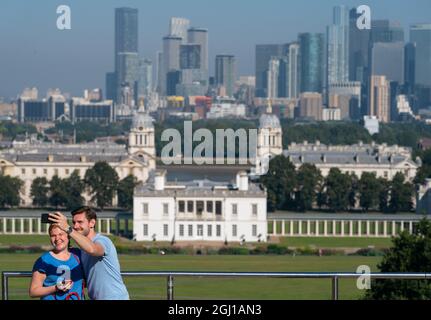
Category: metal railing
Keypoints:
(334, 276)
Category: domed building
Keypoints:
(269, 141)
(141, 136)
(33, 159)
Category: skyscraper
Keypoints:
(200, 36)
(409, 66)
(111, 86)
(289, 71)
(171, 58)
(159, 72)
(127, 72)
(387, 59)
(379, 104)
(145, 76)
(386, 31)
(338, 46)
(359, 41)
(264, 53)
(420, 34)
(225, 72)
(294, 70)
(178, 27)
(126, 46)
(190, 56)
(312, 63)
(273, 77)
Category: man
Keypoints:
(99, 256)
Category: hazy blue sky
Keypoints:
(33, 52)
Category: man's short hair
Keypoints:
(89, 212)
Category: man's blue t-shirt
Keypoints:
(57, 270)
(103, 274)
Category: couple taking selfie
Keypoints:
(64, 272)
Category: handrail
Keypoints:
(334, 276)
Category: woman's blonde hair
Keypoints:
(52, 227)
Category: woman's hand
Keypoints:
(64, 286)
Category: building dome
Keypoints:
(142, 120)
(269, 121)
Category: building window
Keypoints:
(218, 208)
(190, 230)
(181, 230)
(34, 171)
(254, 209)
(385, 174)
(23, 171)
(145, 208)
(67, 171)
(56, 172)
(234, 208)
(254, 230)
(165, 209)
(145, 230)
(200, 230)
(209, 206)
(45, 171)
(181, 206)
(165, 230)
(190, 206)
(218, 230)
(234, 230)
(210, 230)
(199, 207)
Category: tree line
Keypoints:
(101, 182)
(306, 189)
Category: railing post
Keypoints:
(4, 286)
(335, 288)
(170, 288)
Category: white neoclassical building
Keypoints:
(200, 210)
(33, 159)
(383, 160)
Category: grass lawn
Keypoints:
(320, 242)
(216, 288)
(324, 242)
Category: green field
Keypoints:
(328, 242)
(319, 242)
(216, 288)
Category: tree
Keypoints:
(353, 192)
(401, 194)
(102, 181)
(74, 187)
(338, 186)
(280, 183)
(57, 189)
(10, 188)
(39, 191)
(125, 191)
(369, 190)
(410, 253)
(385, 187)
(308, 180)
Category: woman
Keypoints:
(58, 274)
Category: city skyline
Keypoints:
(36, 47)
